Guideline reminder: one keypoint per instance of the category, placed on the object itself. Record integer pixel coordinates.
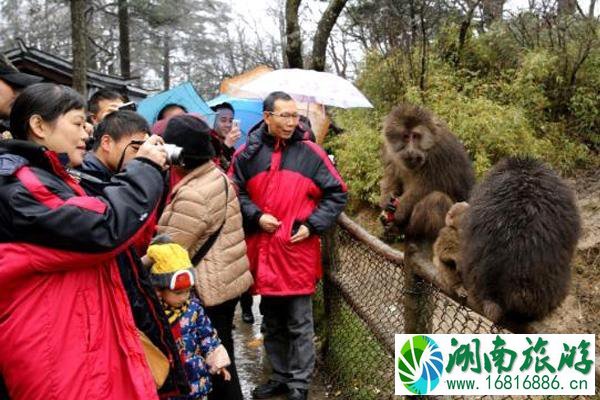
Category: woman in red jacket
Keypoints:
(66, 328)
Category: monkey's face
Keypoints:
(456, 213)
(410, 144)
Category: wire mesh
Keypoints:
(364, 299)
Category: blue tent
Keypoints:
(248, 111)
(184, 95)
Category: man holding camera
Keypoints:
(117, 139)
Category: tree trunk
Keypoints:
(124, 50)
(411, 42)
(424, 55)
(293, 48)
(90, 51)
(78, 40)
(492, 11)
(282, 36)
(324, 28)
(92, 60)
(166, 62)
(464, 30)
(567, 6)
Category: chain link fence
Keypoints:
(367, 295)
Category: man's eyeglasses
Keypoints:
(286, 115)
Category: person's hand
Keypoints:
(153, 150)
(146, 261)
(233, 136)
(224, 373)
(268, 223)
(303, 233)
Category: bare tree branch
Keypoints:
(293, 45)
(324, 28)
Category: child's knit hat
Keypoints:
(171, 268)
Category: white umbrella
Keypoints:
(308, 86)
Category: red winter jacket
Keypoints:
(66, 327)
(294, 181)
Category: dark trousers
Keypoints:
(221, 317)
(246, 302)
(289, 338)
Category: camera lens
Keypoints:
(173, 153)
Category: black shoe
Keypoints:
(297, 394)
(269, 389)
(248, 317)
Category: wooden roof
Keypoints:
(59, 70)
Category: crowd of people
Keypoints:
(121, 262)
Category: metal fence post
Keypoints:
(329, 261)
(416, 297)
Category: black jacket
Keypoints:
(300, 155)
(147, 311)
(295, 181)
(25, 218)
(133, 197)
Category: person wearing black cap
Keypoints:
(11, 84)
(204, 217)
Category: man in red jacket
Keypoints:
(289, 192)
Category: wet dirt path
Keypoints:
(252, 364)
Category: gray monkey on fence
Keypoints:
(517, 241)
(426, 170)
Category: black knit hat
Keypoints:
(193, 134)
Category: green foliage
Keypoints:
(490, 131)
(349, 340)
(494, 52)
(566, 155)
(495, 111)
(379, 75)
(527, 88)
(357, 153)
(585, 103)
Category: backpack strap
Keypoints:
(213, 238)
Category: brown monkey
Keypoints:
(519, 236)
(426, 166)
(446, 249)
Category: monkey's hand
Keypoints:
(387, 214)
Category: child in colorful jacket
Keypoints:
(199, 346)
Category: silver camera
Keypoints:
(173, 153)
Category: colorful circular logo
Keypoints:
(420, 364)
